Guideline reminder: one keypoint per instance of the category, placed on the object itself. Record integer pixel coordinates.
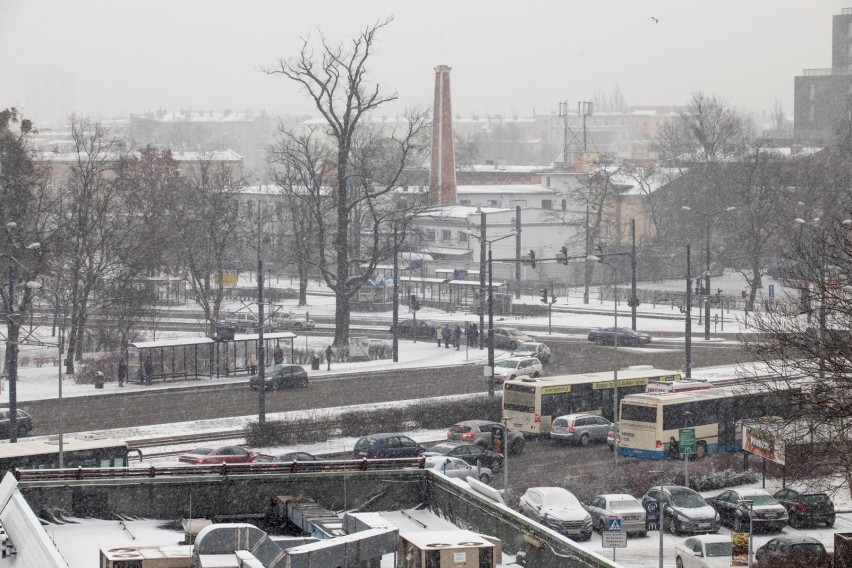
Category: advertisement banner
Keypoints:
(761, 440)
(739, 549)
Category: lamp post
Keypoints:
(750, 504)
(261, 364)
(662, 512)
(615, 345)
(707, 260)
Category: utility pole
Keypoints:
(482, 243)
(688, 343)
(634, 302)
(518, 252)
(261, 365)
(395, 344)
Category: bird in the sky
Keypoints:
(656, 20)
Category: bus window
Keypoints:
(639, 413)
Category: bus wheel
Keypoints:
(700, 451)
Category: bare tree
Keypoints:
(368, 163)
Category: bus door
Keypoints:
(727, 426)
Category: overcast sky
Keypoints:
(507, 57)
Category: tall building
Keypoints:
(442, 177)
(822, 96)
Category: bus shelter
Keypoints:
(194, 357)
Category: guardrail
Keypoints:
(223, 470)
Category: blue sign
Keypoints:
(652, 512)
(615, 524)
(772, 291)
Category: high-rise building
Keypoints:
(822, 96)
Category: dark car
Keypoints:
(224, 454)
(792, 552)
(685, 511)
(479, 432)
(279, 376)
(735, 505)
(23, 426)
(806, 508)
(533, 349)
(286, 457)
(421, 329)
(507, 338)
(626, 336)
(471, 453)
(377, 446)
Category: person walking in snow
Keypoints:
(328, 355)
(447, 333)
(457, 337)
(122, 371)
(439, 334)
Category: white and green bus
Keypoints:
(649, 421)
(531, 404)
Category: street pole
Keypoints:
(12, 354)
(59, 343)
(706, 295)
(395, 344)
(490, 321)
(688, 341)
(633, 302)
(518, 252)
(482, 243)
(261, 396)
(615, 369)
(822, 310)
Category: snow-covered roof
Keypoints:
(518, 189)
(214, 156)
(460, 211)
(202, 116)
(485, 168)
(448, 251)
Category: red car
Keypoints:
(224, 454)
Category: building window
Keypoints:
(446, 235)
(547, 204)
(493, 203)
(430, 235)
(811, 91)
(850, 31)
(565, 205)
(463, 237)
(464, 202)
(547, 181)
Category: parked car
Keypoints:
(479, 432)
(385, 445)
(471, 453)
(558, 509)
(792, 552)
(602, 508)
(23, 425)
(507, 338)
(284, 321)
(806, 508)
(626, 336)
(581, 429)
(244, 322)
(685, 511)
(766, 512)
(458, 468)
(612, 436)
(223, 454)
(286, 457)
(704, 551)
(279, 376)
(421, 329)
(533, 349)
(509, 369)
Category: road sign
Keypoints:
(687, 441)
(772, 291)
(652, 515)
(614, 539)
(615, 524)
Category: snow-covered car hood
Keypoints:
(565, 513)
(697, 513)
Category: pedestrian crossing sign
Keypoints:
(615, 524)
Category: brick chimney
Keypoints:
(442, 176)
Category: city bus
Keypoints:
(77, 451)
(648, 421)
(531, 404)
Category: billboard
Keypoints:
(763, 439)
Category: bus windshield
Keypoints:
(519, 397)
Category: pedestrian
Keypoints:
(328, 354)
(122, 371)
(457, 337)
(148, 368)
(447, 333)
(278, 354)
(674, 448)
(253, 363)
(473, 336)
(440, 334)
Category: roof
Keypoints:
(503, 189)
(446, 251)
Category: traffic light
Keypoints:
(532, 257)
(544, 295)
(564, 254)
(552, 299)
(413, 303)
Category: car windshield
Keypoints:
(459, 429)
(507, 364)
(761, 499)
(264, 458)
(526, 348)
(200, 451)
(687, 499)
(718, 549)
(515, 333)
(623, 504)
(807, 548)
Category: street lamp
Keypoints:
(489, 242)
(707, 260)
(661, 513)
(615, 345)
(750, 504)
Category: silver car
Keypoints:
(602, 508)
(458, 468)
(582, 429)
(510, 369)
(557, 509)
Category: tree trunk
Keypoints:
(303, 285)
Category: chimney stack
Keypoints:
(442, 176)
